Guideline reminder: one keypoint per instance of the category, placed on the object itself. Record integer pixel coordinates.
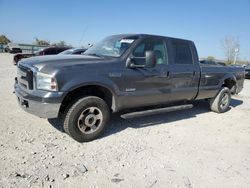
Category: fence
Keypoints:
(26, 48)
(2, 47)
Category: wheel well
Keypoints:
(91, 90)
(229, 83)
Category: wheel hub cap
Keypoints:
(90, 120)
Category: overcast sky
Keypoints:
(82, 22)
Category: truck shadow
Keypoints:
(235, 102)
(118, 124)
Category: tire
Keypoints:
(220, 103)
(86, 118)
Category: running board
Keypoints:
(156, 111)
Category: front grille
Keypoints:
(25, 77)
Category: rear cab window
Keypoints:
(181, 52)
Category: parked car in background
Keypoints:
(236, 65)
(13, 48)
(221, 63)
(46, 51)
(208, 62)
(17, 57)
(53, 50)
(73, 51)
(247, 71)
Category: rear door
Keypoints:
(184, 70)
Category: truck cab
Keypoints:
(175, 72)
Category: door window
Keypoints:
(158, 46)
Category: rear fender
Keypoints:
(227, 77)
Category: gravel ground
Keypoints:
(192, 148)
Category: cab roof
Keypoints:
(147, 35)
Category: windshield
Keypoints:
(248, 66)
(113, 46)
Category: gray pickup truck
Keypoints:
(122, 72)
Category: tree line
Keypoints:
(4, 41)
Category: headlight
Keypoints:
(46, 82)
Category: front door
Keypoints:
(147, 86)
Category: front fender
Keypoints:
(76, 82)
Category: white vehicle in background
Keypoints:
(13, 48)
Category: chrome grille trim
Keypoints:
(25, 76)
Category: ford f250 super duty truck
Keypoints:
(122, 72)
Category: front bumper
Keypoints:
(36, 104)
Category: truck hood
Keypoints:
(51, 63)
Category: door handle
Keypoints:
(194, 73)
(165, 74)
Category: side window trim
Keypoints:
(166, 52)
(193, 52)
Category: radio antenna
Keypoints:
(83, 33)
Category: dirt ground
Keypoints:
(192, 148)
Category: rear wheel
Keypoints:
(220, 103)
(86, 119)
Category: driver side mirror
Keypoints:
(150, 61)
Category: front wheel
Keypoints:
(86, 119)
(220, 103)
